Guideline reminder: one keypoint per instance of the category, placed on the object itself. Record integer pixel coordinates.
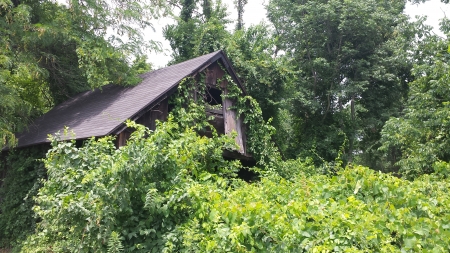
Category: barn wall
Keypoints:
(148, 119)
(231, 121)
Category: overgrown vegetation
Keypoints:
(173, 192)
(23, 173)
(333, 86)
(99, 198)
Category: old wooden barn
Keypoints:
(102, 112)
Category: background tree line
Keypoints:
(331, 74)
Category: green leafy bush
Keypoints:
(98, 198)
(177, 194)
(357, 210)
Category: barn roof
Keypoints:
(103, 111)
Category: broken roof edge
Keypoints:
(231, 71)
(221, 55)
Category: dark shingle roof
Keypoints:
(102, 111)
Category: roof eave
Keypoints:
(232, 72)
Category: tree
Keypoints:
(420, 136)
(240, 10)
(51, 51)
(352, 70)
(199, 30)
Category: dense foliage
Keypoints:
(173, 192)
(51, 51)
(170, 190)
(332, 85)
(358, 210)
(95, 192)
(420, 136)
(352, 67)
(110, 193)
(23, 171)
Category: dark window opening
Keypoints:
(213, 99)
(171, 106)
(213, 96)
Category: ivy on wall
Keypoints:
(258, 131)
(23, 170)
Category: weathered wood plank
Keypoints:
(231, 121)
(122, 138)
(159, 112)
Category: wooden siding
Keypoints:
(231, 121)
(122, 138)
(159, 112)
(148, 119)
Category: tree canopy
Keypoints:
(420, 134)
(52, 51)
(352, 70)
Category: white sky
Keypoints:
(433, 9)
